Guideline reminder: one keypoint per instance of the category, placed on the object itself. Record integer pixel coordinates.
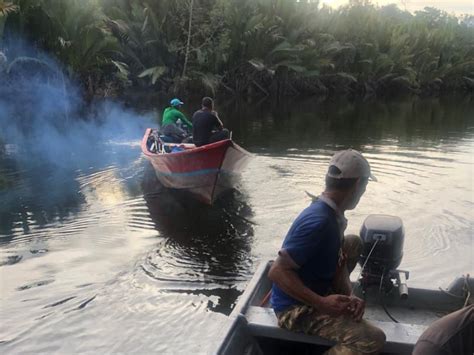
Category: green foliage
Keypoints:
(252, 46)
(73, 31)
(154, 73)
(7, 8)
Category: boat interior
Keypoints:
(403, 313)
(159, 144)
(403, 317)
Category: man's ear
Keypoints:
(355, 186)
(361, 181)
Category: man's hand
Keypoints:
(335, 305)
(356, 308)
(218, 118)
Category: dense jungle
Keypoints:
(257, 48)
(98, 257)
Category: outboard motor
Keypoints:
(382, 253)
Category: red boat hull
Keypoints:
(205, 171)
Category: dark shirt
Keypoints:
(313, 242)
(204, 122)
(451, 335)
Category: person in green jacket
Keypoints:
(174, 123)
(172, 114)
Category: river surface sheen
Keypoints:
(96, 257)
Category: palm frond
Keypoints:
(7, 8)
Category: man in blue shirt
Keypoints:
(311, 287)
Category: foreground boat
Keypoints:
(402, 313)
(253, 328)
(205, 171)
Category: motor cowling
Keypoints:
(383, 237)
(389, 234)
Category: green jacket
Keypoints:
(172, 114)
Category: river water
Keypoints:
(98, 258)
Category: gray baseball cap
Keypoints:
(351, 164)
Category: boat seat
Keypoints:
(401, 338)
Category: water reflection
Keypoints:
(97, 238)
(42, 200)
(313, 124)
(207, 248)
(35, 195)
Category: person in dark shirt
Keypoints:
(311, 290)
(207, 127)
(451, 335)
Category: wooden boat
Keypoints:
(252, 328)
(205, 171)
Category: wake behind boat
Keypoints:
(205, 171)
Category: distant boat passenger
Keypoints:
(207, 127)
(174, 124)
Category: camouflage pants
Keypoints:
(351, 337)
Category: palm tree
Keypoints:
(6, 8)
(144, 48)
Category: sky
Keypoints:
(457, 7)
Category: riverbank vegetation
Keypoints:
(277, 48)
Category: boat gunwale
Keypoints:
(255, 285)
(168, 166)
(203, 148)
(257, 289)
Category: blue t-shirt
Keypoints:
(313, 242)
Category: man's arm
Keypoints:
(184, 119)
(342, 282)
(283, 274)
(219, 122)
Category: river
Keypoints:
(98, 258)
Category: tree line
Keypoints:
(275, 48)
